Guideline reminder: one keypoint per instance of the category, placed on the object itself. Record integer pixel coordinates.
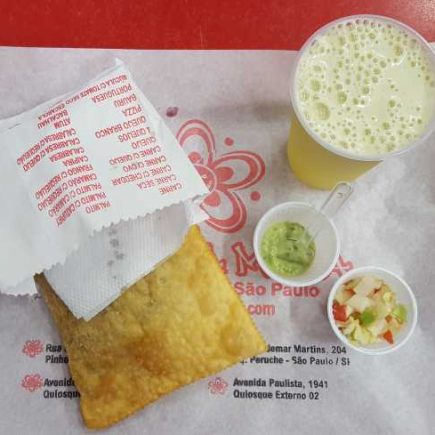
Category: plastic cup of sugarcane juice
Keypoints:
(362, 91)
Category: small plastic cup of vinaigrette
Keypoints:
(404, 296)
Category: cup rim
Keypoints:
(342, 337)
(365, 158)
(263, 265)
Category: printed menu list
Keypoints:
(80, 163)
(76, 184)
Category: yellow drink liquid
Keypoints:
(317, 167)
(364, 88)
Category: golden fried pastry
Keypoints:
(178, 324)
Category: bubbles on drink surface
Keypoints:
(366, 86)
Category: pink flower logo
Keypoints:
(32, 348)
(32, 382)
(341, 267)
(217, 386)
(224, 175)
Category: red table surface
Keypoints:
(190, 24)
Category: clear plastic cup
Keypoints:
(316, 162)
(404, 296)
(327, 241)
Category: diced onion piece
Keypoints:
(359, 303)
(350, 328)
(343, 295)
(377, 327)
(367, 285)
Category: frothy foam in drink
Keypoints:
(366, 86)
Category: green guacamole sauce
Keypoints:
(285, 249)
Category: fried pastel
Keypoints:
(178, 324)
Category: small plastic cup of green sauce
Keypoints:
(284, 251)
